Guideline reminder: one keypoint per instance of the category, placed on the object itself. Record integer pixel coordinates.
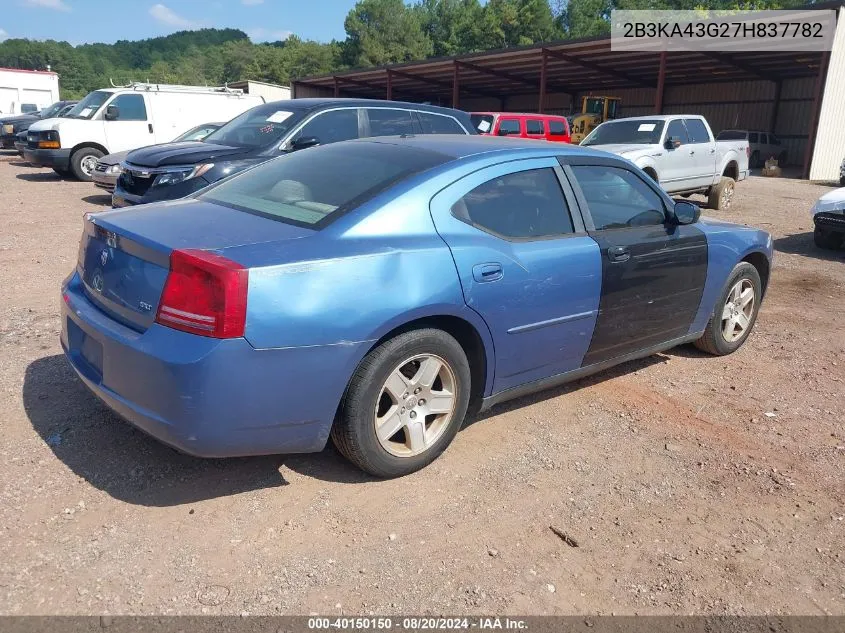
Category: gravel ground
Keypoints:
(685, 483)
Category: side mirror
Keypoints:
(686, 212)
(112, 113)
(303, 142)
(673, 142)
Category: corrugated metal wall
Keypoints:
(746, 105)
(829, 150)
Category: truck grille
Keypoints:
(836, 220)
(101, 167)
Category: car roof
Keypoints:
(463, 145)
(658, 117)
(329, 102)
(533, 115)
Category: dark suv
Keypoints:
(175, 170)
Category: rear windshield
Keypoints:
(312, 187)
(482, 122)
(732, 135)
(259, 127)
(631, 131)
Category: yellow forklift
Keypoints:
(594, 111)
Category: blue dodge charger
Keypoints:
(376, 291)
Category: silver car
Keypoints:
(107, 170)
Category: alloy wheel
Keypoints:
(415, 405)
(738, 311)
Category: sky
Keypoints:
(86, 21)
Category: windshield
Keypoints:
(482, 122)
(87, 108)
(262, 126)
(197, 133)
(51, 111)
(628, 132)
(594, 106)
(311, 187)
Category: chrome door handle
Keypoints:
(483, 273)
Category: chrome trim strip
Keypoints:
(556, 321)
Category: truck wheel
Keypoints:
(828, 239)
(721, 195)
(404, 404)
(83, 161)
(735, 312)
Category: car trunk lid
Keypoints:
(124, 255)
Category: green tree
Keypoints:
(384, 32)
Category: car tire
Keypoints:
(725, 333)
(387, 389)
(842, 181)
(828, 240)
(82, 162)
(720, 196)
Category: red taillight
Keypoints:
(204, 294)
(748, 151)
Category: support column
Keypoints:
(389, 85)
(661, 82)
(542, 104)
(773, 120)
(456, 87)
(336, 87)
(814, 117)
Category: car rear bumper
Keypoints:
(7, 141)
(56, 158)
(205, 397)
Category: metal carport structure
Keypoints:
(780, 92)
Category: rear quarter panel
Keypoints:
(727, 245)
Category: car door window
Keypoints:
(508, 127)
(557, 128)
(439, 124)
(534, 126)
(618, 198)
(773, 139)
(753, 137)
(523, 205)
(130, 108)
(677, 130)
(387, 122)
(332, 127)
(697, 131)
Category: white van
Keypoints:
(126, 118)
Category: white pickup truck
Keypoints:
(679, 152)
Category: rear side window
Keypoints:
(618, 198)
(697, 131)
(508, 126)
(677, 130)
(534, 126)
(332, 126)
(732, 135)
(312, 187)
(385, 122)
(482, 122)
(438, 124)
(753, 137)
(773, 140)
(131, 108)
(523, 205)
(557, 128)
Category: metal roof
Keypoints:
(572, 66)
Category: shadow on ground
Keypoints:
(802, 244)
(100, 199)
(41, 176)
(129, 465)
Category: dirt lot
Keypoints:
(690, 484)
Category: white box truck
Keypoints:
(126, 118)
(27, 91)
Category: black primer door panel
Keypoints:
(652, 281)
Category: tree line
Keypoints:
(377, 32)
